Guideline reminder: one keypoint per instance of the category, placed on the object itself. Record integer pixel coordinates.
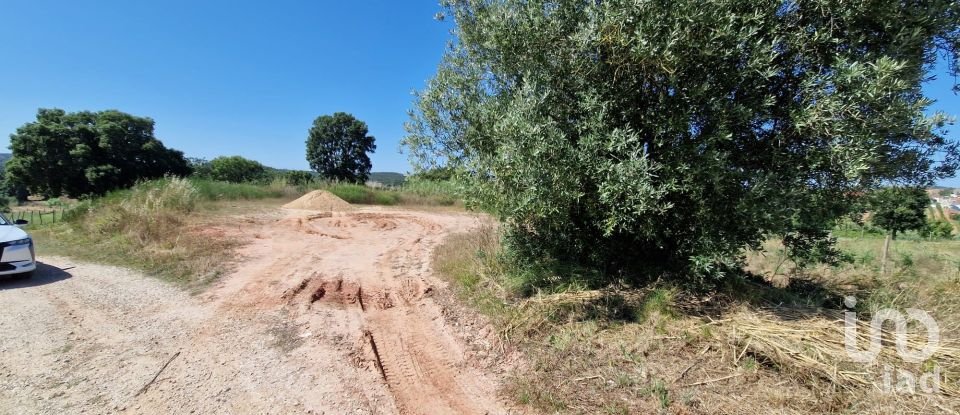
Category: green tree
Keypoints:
(199, 167)
(435, 174)
(337, 148)
(298, 178)
(664, 137)
(82, 153)
(937, 229)
(898, 209)
(236, 169)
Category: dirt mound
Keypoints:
(319, 200)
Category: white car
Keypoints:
(18, 255)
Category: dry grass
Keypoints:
(751, 348)
(165, 228)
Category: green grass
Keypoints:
(360, 194)
(417, 193)
(216, 190)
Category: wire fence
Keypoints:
(38, 216)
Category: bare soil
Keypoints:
(333, 312)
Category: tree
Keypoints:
(946, 192)
(298, 178)
(661, 138)
(236, 169)
(435, 174)
(898, 209)
(88, 153)
(937, 229)
(199, 167)
(337, 148)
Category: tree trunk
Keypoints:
(883, 258)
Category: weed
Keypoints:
(659, 302)
(658, 389)
(906, 260)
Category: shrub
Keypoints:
(236, 169)
(298, 178)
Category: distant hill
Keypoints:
(387, 178)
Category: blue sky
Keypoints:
(236, 77)
(223, 77)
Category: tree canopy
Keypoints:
(236, 169)
(899, 209)
(88, 153)
(664, 137)
(337, 148)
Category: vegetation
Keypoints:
(773, 348)
(298, 178)
(593, 131)
(360, 194)
(411, 194)
(151, 226)
(87, 153)
(898, 209)
(159, 226)
(337, 148)
(236, 169)
(387, 178)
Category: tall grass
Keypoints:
(145, 227)
(360, 194)
(414, 193)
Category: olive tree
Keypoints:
(649, 137)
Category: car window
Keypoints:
(4, 220)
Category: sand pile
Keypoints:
(319, 200)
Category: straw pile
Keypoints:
(813, 346)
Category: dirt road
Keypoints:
(326, 313)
